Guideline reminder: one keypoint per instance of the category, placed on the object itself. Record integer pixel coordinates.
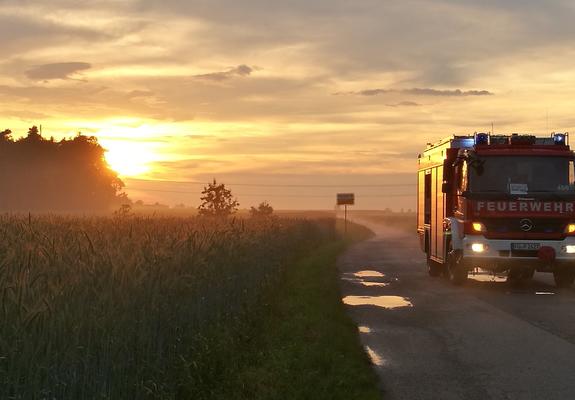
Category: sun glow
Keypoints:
(133, 146)
(129, 158)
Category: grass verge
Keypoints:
(303, 345)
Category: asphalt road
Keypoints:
(430, 340)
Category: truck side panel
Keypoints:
(421, 208)
(440, 215)
(420, 199)
(434, 207)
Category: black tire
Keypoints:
(519, 276)
(434, 269)
(564, 277)
(528, 273)
(456, 269)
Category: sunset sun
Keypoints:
(128, 159)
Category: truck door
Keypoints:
(461, 175)
(427, 198)
(440, 215)
(427, 210)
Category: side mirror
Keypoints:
(446, 187)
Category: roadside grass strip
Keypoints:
(304, 345)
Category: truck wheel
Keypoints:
(528, 273)
(434, 269)
(564, 277)
(457, 270)
(514, 277)
(518, 276)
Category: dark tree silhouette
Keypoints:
(34, 134)
(217, 201)
(262, 211)
(38, 174)
(5, 135)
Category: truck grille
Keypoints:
(514, 225)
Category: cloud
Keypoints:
(239, 71)
(140, 94)
(287, 117)
(86, 100)
(456, 92)
(21, 34)
(420, 92)
(27, 115)
(62, 70)
(404, 104)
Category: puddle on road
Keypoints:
(365, 283)
(378, 284)
(387, 302)
(375, 358)
(364, 329)
(487, 278)
(360, 278)
(368, 274)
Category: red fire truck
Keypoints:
(502, 203)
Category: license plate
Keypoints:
(525, 246)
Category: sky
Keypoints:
(289, 101)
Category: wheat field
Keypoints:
(132, 307)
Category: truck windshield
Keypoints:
(521, 174)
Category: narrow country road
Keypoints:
(431, 340)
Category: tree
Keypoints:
(34, 134)
(6, 135)
(263, 210)
(217, 201)
(37, 174)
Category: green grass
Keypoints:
(303, 345)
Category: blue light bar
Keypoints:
(481, 138)
(560, 139)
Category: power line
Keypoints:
(270, 195)
(275, 184)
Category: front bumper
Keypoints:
(499, 252)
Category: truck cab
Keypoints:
(502, 203)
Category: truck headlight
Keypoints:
(570, 248)
(478, 247)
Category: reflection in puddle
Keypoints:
(369, 274)
(359, 278)
(378, 284)
(376, 359)
(544, 293)
(487, 278)
(364, 329)
(388, 302)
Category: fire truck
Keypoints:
(500, 203)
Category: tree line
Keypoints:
(40, 174)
